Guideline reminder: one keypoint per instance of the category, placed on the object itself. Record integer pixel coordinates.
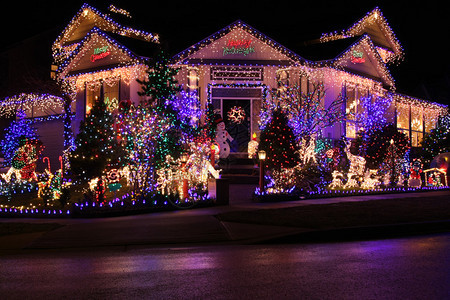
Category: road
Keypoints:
(403, 268)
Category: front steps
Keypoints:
(239, 169)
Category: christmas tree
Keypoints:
(18, 131)
(161, 88)
(385, 143)
(96, 145)
(278, 140)
(437, 141)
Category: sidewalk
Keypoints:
(179, 228)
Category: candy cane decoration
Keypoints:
(61, 163)
(48, 163)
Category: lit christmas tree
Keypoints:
(96, 145)
(278, 140)
(161, 88)
(379, 147)
(437, 141)
(18, 131)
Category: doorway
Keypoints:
(237, 116)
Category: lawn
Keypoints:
(349, 214)
(19, 228)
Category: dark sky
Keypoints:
(420, 26)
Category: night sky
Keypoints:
(421, 27)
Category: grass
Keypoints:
(349, 214)
(19, 228)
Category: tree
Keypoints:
(161, 87)
(437, 141)
(306, 112)
(96, 145)
(18, 131)
(379, 146)
(278, 140)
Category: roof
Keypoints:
(375, 25)
(88, 17)
(178, 58)
(134, 48)
(326, 51)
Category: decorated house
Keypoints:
(238, 70)
(100, 58)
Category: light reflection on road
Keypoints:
(405, 268)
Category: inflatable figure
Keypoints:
(222, 138)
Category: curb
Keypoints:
(362, 233)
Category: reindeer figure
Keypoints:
(357, 163)
(308, 153)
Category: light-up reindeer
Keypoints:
(308, 153)
(357, 167)
(357, 163)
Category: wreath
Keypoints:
(236, 114)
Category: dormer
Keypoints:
(87, 18)
(377, 28)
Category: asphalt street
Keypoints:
(403, 268)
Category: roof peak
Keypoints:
(375, 25)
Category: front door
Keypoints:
(237, 116)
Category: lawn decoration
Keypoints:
(222, 138)
(23, 164)
(309, 154)
(416, 169)
(336, 182)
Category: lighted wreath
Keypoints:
(236, 114)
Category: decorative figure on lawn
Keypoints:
(336, 183)
(51, 187)
(351, 181)
(357, 163)
(252, 147)
(222, 136)
(113, 177)
(309, 153)
(416, 169)
(370, 179)
(23, 163)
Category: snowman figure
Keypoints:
(222, 136)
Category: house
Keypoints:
(236, 69)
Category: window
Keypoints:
(92, 94)
(416, 125)
(431, 118)
(111, 93)
(108, 88)
(303, 84)
(410, 121)
(403, 117)
(353, 108)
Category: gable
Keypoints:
(97, 52)
(87, 18)
(237, 44)
(376, 27)
(82, 23)
(363, 59)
